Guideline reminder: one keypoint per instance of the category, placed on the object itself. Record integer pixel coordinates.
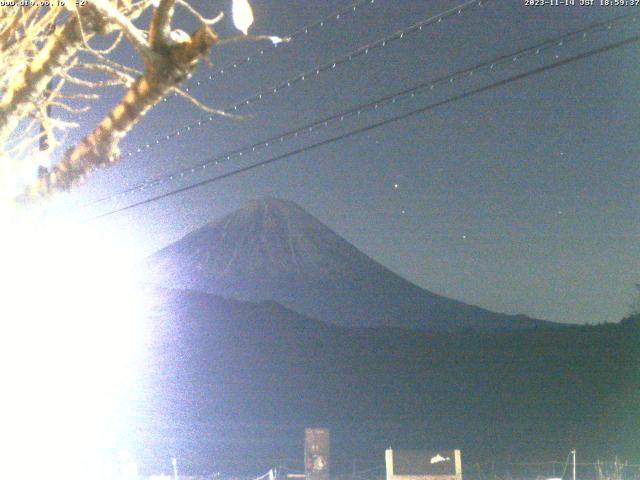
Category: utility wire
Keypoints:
(514, 57)
(629, 41)
(315, 71)
(317, 24)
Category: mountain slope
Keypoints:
(274, 250)
(231, 385)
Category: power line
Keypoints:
(317, 70)
(493, 86)
(556, 42)
(320, 23)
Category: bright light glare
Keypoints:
(242, 14)
(72, 313)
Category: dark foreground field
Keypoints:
(231, 385)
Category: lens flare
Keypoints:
(73, 334)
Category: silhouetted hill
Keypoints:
(274, 250)
(231, 385)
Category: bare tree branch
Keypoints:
(195, 13)
(31, 56)
(69, 108)
(100, 147)
(254, 38)
(160, 28)
(206, 108)
(24, 89)
(133, 34)
(106, 62)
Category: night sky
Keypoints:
(522, 199)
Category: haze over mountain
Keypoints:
(272, 249)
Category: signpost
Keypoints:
(316, 453)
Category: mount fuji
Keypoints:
(273, 250)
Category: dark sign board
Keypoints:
(420, 463)
(316, 453)
(442, 464)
